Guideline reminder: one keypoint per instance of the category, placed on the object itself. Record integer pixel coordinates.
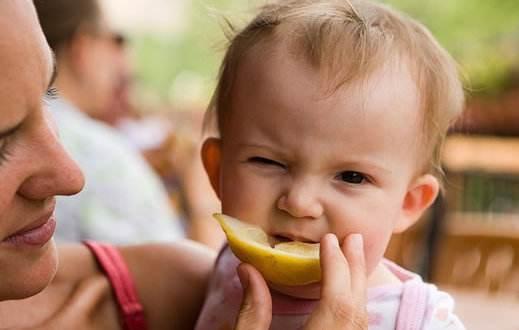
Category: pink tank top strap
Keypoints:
(123, 286)
(413, 305)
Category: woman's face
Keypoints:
(34, 168)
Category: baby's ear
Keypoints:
(420, 195)
(211, 156)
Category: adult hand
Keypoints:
(343, 291)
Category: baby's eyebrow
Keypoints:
(369, 164)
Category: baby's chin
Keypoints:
(310, 291)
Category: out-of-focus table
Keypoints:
(483, 311)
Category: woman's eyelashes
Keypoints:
(265, 161)
(51, 94)
(352, 177)
(5, 142)
(4, 152)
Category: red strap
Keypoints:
(112, 263)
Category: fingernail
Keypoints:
(356, 242)
(244, 277)
(333, 239)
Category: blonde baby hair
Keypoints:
(346, 40)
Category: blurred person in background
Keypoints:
(124, 200)
(118, 104)
(171, 145)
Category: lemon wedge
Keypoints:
(282, 263)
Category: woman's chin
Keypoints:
(30, 274)
(309, 291)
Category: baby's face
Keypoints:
(300, 163)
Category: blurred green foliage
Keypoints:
(483, 35)
(181, 68)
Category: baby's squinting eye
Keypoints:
(265, 161)
(352, 177)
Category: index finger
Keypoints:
(353, 249)
(335, 271)
(342, 305)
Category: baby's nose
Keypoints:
(301, 201)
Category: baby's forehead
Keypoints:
(274, 61)
(345, 44)
(336, 65)
(289, 83)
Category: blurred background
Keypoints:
(469, 243)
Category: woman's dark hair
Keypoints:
(62, 19)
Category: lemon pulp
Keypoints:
(282, 263)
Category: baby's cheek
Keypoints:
(374, 248)
(245, 206)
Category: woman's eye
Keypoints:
(265, 161)
(51, 94)
(4, 153)
(352, 177)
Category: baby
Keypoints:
(330, 116)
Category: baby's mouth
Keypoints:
(286, 237)
(276, 239)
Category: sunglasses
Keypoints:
(119, 39)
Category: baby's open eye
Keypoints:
(265, 161)
(352, 177)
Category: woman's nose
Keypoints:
(301, 200)
(53, 172)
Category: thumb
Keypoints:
(256, 307)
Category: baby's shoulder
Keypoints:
(414, 302)
(440, 312)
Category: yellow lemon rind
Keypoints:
(277, 266)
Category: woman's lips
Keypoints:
(36, 236)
